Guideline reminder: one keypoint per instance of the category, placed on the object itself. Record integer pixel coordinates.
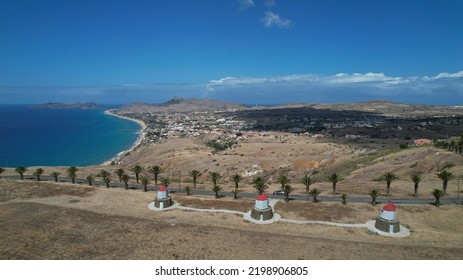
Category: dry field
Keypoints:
(42, 220)
(273, 154)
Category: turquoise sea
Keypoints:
(61, 137)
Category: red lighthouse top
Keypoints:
(163, 188)
(390, 207)
(262, 197)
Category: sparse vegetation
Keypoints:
(55, 174)
(21, 170)
(120, 172)
(260, 185)
(437, 195)
(38, 172)
(90, 178)
(373, 194)
(416, 178)
(287, 189)
(334, 179)
(314, 193)
(194, 175)
(388, 177)
(344, 197)
(145, 181)
(445, 176)
(137, 169)
(72, 173)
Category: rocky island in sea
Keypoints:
(73, 105)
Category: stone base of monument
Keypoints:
(262, 214)
(163, 203)
(387, 226)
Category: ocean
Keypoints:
(61, 137)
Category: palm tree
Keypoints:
(72, 173)
(120, 172)
(20, 170)
(137, 169)
(103, 174)
(107, 179)
(259, 184)
(1, 171)
(437, 195)
(188, 190)
(307, 181)
(445, 176)
(344, 197)
(38, 172)
(314, 193)
(214, 176)
(195, 175)
(388, 177)
(155, 170)
(55, 174)
(90, 178)
(374, 194)
(416, 178)
(216, 188)
(334, 178)
(235, 193)
(165, 181)
(237, 179)
(145, 181)
(283, 180)
(125, 179)
(287, 189)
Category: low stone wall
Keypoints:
(384, 225)
(165, 202)
(267, 213)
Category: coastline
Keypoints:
(143, 126)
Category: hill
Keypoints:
(180, 105)
(76, 105)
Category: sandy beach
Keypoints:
(138, 142)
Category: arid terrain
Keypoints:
(47, 220)
(41, 220)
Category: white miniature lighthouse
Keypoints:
(388, 212)
(262, 202)
(162, 200)
(262, 211)
(162, 192)
(387, 220)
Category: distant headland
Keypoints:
(74, 105)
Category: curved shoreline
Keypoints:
(143, 126)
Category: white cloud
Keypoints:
(245, 4)
(441, 89)
(444, 76)
(271, 19)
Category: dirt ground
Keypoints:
(43, 220)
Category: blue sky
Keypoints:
(247, 51)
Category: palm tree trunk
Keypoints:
(444, 187)
(388, 189)
(334, 188)
(416, 190)
(126, 186)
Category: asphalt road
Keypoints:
(175, 189)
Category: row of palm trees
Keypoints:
(258, 183)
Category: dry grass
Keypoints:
(116, 224)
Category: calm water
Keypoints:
(61, 137)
